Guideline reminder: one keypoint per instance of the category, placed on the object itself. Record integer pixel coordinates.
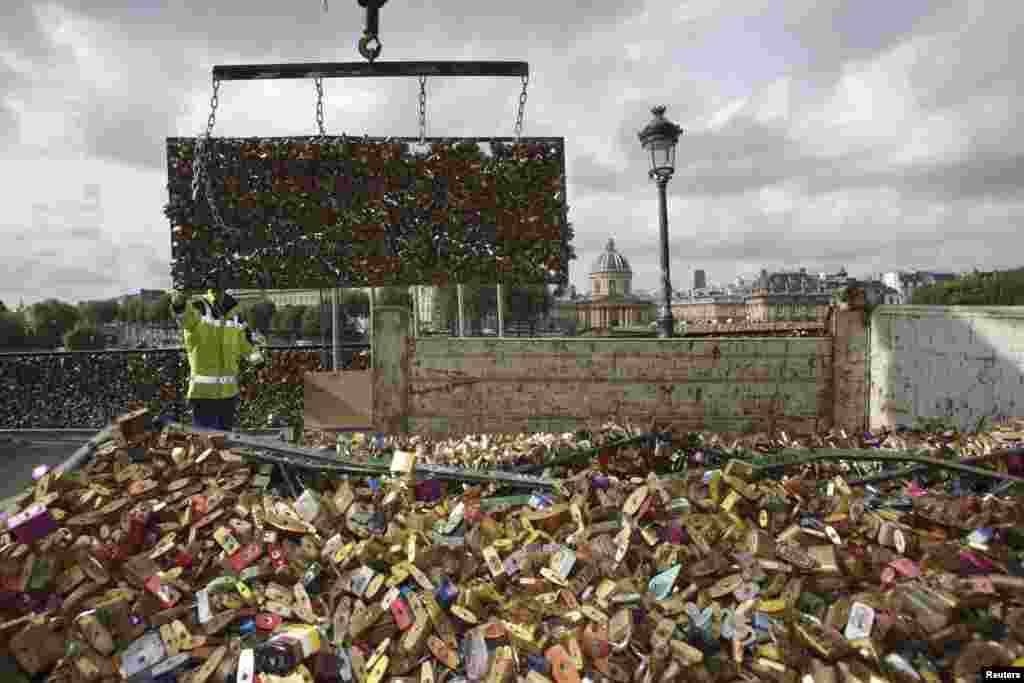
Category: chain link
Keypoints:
(423, 109)
(522, 107)
(319, 81)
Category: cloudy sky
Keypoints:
(819, 133)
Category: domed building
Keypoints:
(611, 302)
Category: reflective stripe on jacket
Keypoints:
(214, 343)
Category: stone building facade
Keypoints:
(611, 302)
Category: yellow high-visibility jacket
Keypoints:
(215, 340)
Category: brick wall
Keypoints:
(450, 386)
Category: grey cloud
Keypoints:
(124, 129)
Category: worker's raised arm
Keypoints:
(184, 313)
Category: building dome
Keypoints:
(611, 261)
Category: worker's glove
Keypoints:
(257, 356)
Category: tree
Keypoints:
(158, 311)
(527, 304)
(3, 309)
(288, 320)
(99, 312)
(133, 310)
(83, 337)
(50, 319)
(1000, 288)
(311, 321)
(13, 334)
(472, 306)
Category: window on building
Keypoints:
(611, 287)
(597, 286)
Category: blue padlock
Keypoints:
(446, 593)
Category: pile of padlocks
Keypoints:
(171, 558)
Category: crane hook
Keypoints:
(370, 45)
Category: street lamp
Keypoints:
(659, 137)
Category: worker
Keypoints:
(215, 340)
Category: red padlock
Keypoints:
(113, 552)
(200, 506)
(184, 558)
(138, 518)
(649, 510)
(167, 594)
(267, 621)
(472, 512)
(400, 610)
(244, 556)
(277, 557)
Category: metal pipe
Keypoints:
(462, 328)
(501, 313)
(86, 450)
(335, 337)
(415, 311)
(665, 322)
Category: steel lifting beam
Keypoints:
(255, 72)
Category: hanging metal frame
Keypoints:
(369, 47)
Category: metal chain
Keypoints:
(199, 161)
(319, 81)
(423, 109)
(522, 107)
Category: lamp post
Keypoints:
(659, 137)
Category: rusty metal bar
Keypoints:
(257, 72)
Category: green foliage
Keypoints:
(311, 322)
(13, 334)
(50, 319)
(392, 296)
(527, 303)
(260, 315)
(999, 288)
(158, 311)
(133, 310)
(99, 312)
(288, 319)
(82, 338)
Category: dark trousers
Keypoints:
(214, 413)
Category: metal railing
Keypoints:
(88, 389)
